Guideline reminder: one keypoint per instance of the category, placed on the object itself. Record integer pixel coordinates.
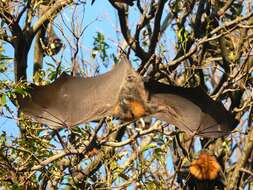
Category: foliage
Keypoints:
(179, 42)
(100, 46)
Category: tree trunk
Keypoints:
(22, 47)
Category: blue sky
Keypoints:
(101, 17)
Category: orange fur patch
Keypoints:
(205, 167)
(91, 153)
(137, 109)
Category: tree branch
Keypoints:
(246, 152)
(157, 26)
(54, 8)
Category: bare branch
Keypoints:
(157, 26)
(247, 150)
(56, 7)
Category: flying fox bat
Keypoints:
(122, 93)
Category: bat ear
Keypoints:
(124, 59)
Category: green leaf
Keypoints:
(16, 187)
(100, 47)
(3, 67)
(3, 99)
(3, 137)
(149, 146)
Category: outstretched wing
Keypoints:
(190, 109)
